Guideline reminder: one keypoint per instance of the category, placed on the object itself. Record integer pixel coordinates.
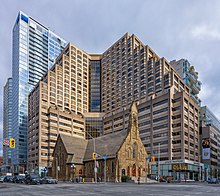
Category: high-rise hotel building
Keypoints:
(57, 104)
(35, 49)
(168, 116)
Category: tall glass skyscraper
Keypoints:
(7, 123)
(35, 49)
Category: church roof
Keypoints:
(75, 148)
(80, 149)
(106, 145)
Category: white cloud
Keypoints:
(210, 97)
(206, 92)
(204, 32)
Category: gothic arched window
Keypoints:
(134, 151)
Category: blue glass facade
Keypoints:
(33, 55)
(95, 86)
(7, 122)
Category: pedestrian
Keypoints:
(138, 179)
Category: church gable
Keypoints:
(132, 154)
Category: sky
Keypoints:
(174, 29)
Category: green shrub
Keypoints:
(125, 178)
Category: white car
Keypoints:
(2, 179)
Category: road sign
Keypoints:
(104, 157)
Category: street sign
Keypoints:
(104, 157)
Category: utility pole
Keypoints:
(94, 151)
(95, 168)
(105, 170)
(158, 163)
(199, 169)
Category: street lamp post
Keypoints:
(95, 168)
(199, 175)
(158, 163)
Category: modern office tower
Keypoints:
(168, 116)
(95, 83)
(57, 104)
(93, 124)
(7, 123)
(189, 75)
(35, 49)
(210, 139)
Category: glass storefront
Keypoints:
(179, 170)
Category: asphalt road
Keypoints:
(114, 189)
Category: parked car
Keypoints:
(18, 179)
(162, 179)
(2, 179)
(213, 181)
(32, 179)
(49, 180)
(8, 178)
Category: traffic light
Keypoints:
(12, 143)
(152, 159)
(93, 155)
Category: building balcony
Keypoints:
(195, 88)
(192, 77)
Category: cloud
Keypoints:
(210, 97)
(204, 32)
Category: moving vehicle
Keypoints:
(49, 180)
(32, 179)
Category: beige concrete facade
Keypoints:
(167, 114)
(170, 120)
(56, 105)
(133, 71)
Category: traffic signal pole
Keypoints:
(105, 171)
(95, 168)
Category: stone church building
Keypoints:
(124, 152)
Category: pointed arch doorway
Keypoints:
(134, 170)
